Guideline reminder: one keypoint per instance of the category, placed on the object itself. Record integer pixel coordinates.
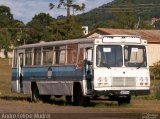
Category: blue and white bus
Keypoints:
(115, 66)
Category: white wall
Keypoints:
(153, 53)
(2, 53)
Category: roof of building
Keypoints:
(152, 36)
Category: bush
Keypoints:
(155, 70)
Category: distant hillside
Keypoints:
(146, 9)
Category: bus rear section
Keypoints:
(120, 68)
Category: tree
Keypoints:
(125, 16)
(6, 18)
(68, 4)
(65, 29)
(4, 39)
(41, 20)
(39, 25)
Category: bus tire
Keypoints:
(68, 99)
(78, 97)
(124, 100)
(128, 99)
(46, 98)
(35, 93)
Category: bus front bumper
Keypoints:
(120, 92)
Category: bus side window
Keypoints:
(47, 55)
(60, 55)
(28, 57)
(72, 53)
(80, 58)
(37, 56)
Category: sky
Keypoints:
(25, 10)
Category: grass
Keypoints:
(155, 82)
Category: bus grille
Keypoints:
(123, 82)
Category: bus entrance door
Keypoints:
(89, 70)
(20, 63)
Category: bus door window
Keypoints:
(89, 61)
(89, 69)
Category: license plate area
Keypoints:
(124, 92)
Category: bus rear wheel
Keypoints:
(35, 93)
(46, 98)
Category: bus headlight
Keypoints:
(144, 81)
(102, 81)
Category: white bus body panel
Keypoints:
(121, 79)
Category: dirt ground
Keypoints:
(97, 110)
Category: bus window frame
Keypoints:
(31, 50)
(60, 48)
(48, 48)
(40, 56)
(72, 48)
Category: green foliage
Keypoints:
(157, 25)
(155, 70)
(46, 28)
(40, 24)
(123, 14)
(4, 39)
(65, 29)
(125, 18)
(117, 14)
(6, 18)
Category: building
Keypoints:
(152, 37)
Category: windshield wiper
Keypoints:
(106, 65)
(139, 66)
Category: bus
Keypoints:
(112, 66)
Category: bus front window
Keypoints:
(135, 56)
(109, 56)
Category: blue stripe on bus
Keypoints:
(58, 72)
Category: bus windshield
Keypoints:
(109, 56)
(135, 56)
(112, 56)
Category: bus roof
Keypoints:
(63, 42)
(74, 41)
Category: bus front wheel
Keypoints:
(69, 99)
(78, 97)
